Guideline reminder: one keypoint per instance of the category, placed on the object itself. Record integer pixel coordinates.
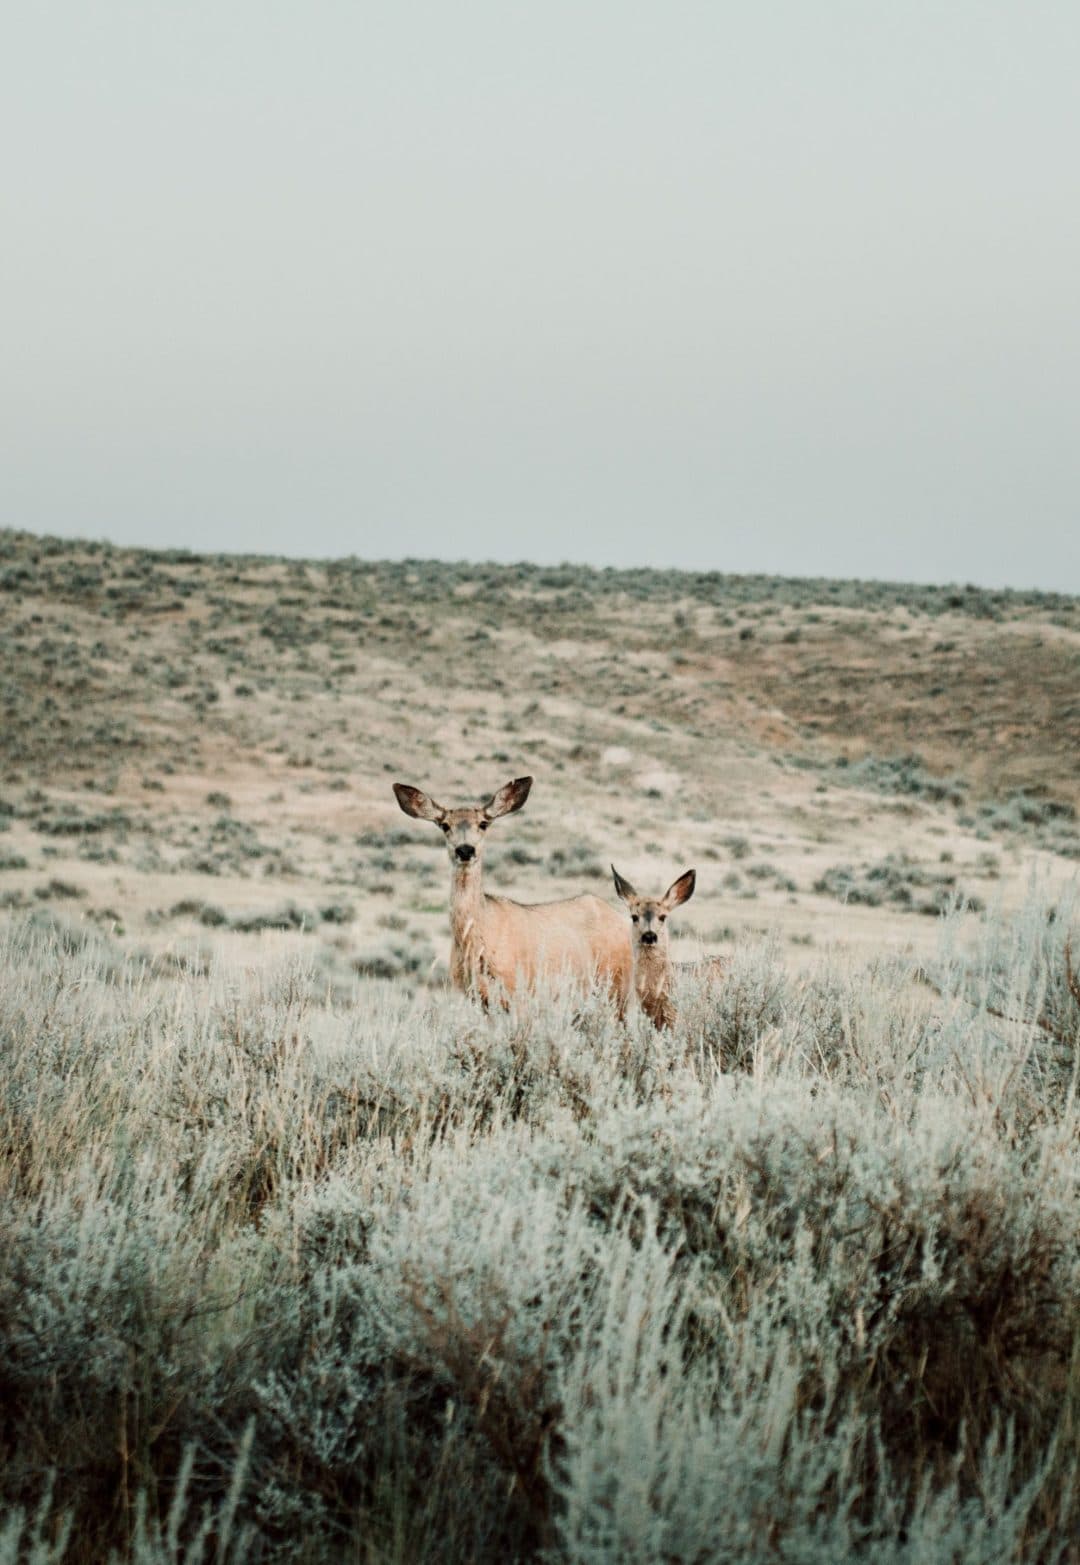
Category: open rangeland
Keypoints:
(307, 1256)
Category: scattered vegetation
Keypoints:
(1051, 823)
(901, 774)
(897, 881)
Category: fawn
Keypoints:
(653, 967)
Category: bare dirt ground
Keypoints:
(199, 749)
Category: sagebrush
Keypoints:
(292, 1276)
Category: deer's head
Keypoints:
(649, 915)
(464, 827)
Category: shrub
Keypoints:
(901, 774)
(299, 1276)
(897, 881)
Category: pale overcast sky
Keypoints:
(786, 286)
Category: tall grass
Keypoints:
(392, 1280)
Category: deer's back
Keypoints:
(582, 936)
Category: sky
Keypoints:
(789, 286)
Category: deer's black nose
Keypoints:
(465, 852)
(649, 937)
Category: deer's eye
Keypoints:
(444, 825)
(483, 825)
(662, 917)
(634, 919)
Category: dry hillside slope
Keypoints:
(196, 742)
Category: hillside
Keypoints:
(203, 743)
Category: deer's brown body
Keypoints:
(497, 944)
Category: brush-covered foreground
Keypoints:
(286, 1278)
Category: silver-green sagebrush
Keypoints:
(287, 1275)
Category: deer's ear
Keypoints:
(417, 804)
(508, 799)
(682, 889)
(623, 887)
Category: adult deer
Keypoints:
(497, 943)
(653, 968)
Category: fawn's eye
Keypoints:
(662, 917)
(634, 919)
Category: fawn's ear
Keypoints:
(417, 804)
(682, 889)
(623, 887)
(508, 799)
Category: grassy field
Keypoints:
(306, 1258)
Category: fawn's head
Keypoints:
(464, 828)
(649, 915)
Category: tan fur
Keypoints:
(654, 970)
(497, 943)
(652, 985)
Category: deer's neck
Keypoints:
(467, 925)
(652, 975)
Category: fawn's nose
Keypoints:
(465, 852)
(649, 937)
